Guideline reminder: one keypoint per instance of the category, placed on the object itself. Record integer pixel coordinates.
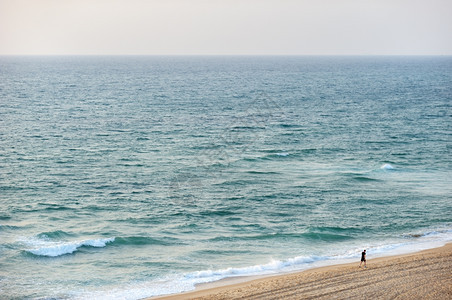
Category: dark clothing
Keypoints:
(363, 256)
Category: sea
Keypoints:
(126, 177)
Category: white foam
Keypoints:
(282, 154)
(410, 244)
(53, 249)
(187, 282)
(138, 290)
(268, 268)
(387, 167)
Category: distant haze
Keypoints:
(226, 27)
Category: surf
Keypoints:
(55, 249)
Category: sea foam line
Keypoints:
(268, 268)
(186, 282)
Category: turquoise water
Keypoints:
(128, 177)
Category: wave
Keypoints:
(268, 268)
(327, 237)
(387, 167)
(285, 125)
(263, 172)
(334, 229)
(282, 154)
(269, 154)
(236, 182)
(54, 249)
(364, 179)
(52, 243)
(245, 128)
(219, 212)
(444, 233)
(186, 282)
(252, 237)
(316, 235)
(139, 241)
(416, 242)
(9, 227)
(58, 234)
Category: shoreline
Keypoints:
(424, 274)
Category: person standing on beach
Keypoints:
(363, 259)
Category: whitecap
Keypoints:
(53, 249)
(282, 154)
(387, 167)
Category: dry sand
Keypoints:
(422, 275)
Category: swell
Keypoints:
(313, 235)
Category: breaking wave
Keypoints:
(387, 167)
(54, 249)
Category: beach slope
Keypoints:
(422, 275)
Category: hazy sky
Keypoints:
(419, 27)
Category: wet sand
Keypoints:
(421, 275)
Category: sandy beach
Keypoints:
(421, 275)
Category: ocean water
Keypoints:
(129, 177)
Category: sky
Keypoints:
(225, 27)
